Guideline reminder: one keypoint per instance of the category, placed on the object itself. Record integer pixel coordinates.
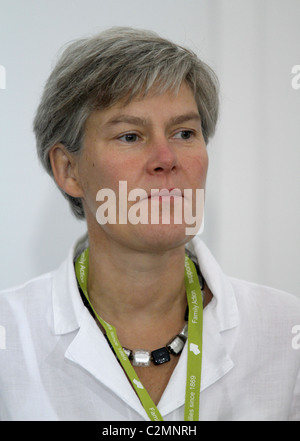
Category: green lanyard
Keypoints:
(194, 359)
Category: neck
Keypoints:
(134, 288)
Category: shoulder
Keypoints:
(41, 286)
(24, 310)
(25, 296)
(256, 294)
(32, 284)
(250, 297)
(270, 313)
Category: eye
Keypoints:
(129, 138)
(184, 134)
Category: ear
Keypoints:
(65, 170)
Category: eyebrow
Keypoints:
(127, 119)
(191, 116)
(135, 120)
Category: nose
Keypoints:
(162, 157)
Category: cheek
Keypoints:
(127, 168)
(197, 170)
(106, 172)
(204, 166)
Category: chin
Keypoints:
(161, 237)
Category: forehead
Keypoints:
(164, 106)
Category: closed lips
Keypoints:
(175, 192)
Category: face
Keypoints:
(152, 143)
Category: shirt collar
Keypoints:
(66, 301)
(227, 314)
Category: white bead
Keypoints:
(141, 358)
(176, 345)
(184, 333)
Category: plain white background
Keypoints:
(252, 220)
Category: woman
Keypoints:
(116, 333)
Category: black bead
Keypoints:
(160, 356)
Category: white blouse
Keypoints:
(55, 364)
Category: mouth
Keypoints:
(165, 193)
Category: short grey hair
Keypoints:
(117, 64)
